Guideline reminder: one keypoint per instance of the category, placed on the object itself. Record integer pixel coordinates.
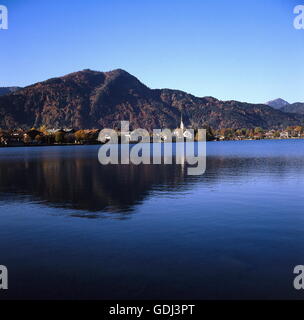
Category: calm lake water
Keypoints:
(71, 228)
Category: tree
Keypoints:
(69, 138)
(244, 131)
(258, 130)
(39, 138)
(250, 133)
(228, 133)
(59, 137)
(80, 136)
(3, 136)
(240, 132)
(290, 130)
(209, 134)
(27, 139)
(298, 130)
(50, 138)
(43, 129)
(33, 133)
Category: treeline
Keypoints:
(44, 136)
(258, 133)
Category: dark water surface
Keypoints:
(71, 228)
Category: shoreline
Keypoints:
(100, 144)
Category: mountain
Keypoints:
(7, 90)
(297, 107)
(91, 99)
(284, 106)
(277, 103)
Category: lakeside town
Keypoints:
(45, 136)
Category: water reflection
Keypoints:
(71, 177)
(84, 184)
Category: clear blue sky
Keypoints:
(231, 49)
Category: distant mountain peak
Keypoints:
(277, 103)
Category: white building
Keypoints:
(284, 135)
(183, 132)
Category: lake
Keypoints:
(71, 228)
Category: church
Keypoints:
(182, 131)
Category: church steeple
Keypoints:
(182, 123)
